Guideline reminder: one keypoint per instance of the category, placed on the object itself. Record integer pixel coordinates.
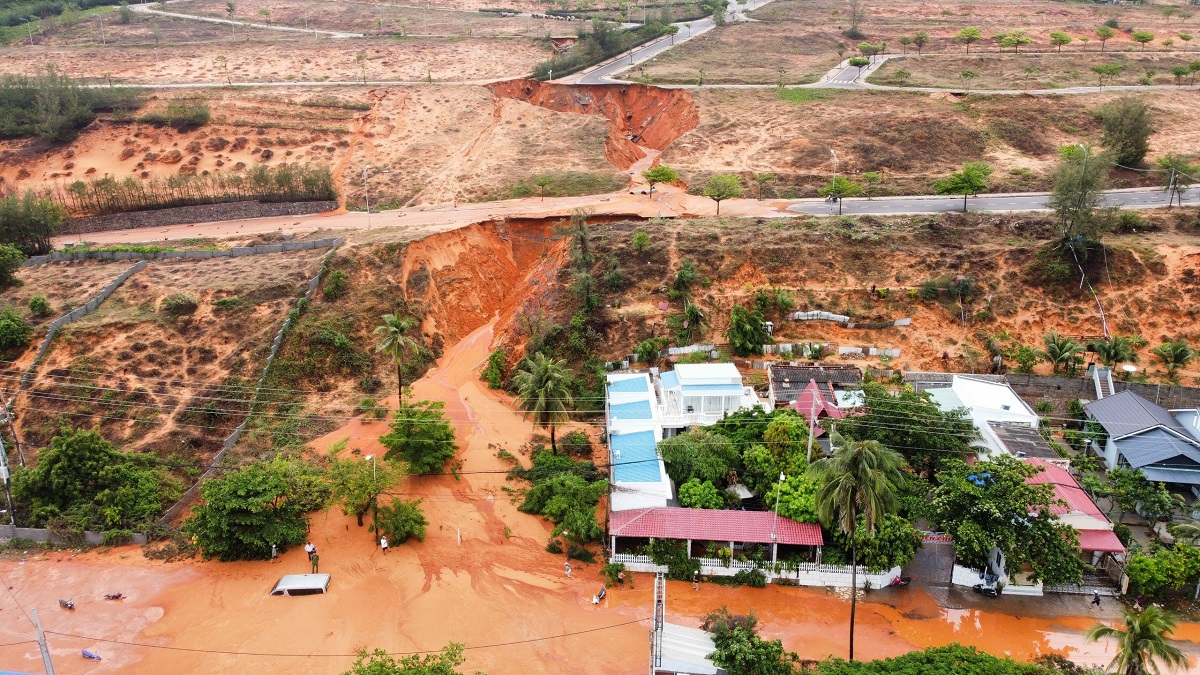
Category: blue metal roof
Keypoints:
(634, 410)
(670, 379)
(638, 458)
(713, 389)
(632, 385)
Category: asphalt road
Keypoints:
(886, 206)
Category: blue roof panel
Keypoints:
(632, 385)
(634, 410)
(634, 458)
(670, 379)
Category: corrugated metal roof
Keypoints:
(713, 525)
(631, 385)
(634, 458)
(1164, 475)
(789, 381)
(1100, 540)
(1127, 413)
(634, 410)
(1154, 446)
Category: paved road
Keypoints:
(884, 206)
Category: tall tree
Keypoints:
(1079, 183)
(721, 187)
(356, 483)
(1104, 34)
(1127, 124)
(1143, 642)
(420, 435)
(544, 392)
(396, 344)
(970, 180)
(747, 331)
(919, 40)
(856, 490)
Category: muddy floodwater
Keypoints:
(481, 577)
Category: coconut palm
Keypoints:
(1061, 351)
(856, 482)
(395, 343)
(1143, 642)
(1174, 355)
(1115, 349)
(544, 391)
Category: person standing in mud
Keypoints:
(567, 565)
(274, 554)
(316, 559)
(310, 550)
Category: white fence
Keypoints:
(803, 574)
(817, 315)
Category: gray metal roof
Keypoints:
(1127, 413)
(1155, 446)
(1161, 475)
(1020, 438)
(789, 381)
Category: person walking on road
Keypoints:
(1096, 598)
(383, 543)
(568, 566)
(315, 560)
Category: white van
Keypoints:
(302, 584)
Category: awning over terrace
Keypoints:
(752, 527)
(1104, 541)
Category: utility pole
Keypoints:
(812, 423)
(41, 640)
(7, 416)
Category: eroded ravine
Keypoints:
(639, 116)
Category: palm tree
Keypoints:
(856, 482)
(1174, 355)
(1115, 349)
(395, 343)
(1142, 642)
(1061, 351)
(544, 391)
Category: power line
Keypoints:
(342, 656)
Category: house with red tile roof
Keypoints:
(1095, 530)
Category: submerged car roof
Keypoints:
(293, 581)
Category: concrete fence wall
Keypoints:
(200, 213)
(190, 495)
(236, 252)
(42, 534)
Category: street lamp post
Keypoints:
(835, 161)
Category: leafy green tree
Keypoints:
(701, 454)
(1059, 39)
(913, 425)
(685, 277)
(1143, 642)
(396, 344)
(11, 258)
(971, 180)
(401, 520)
(29, 222)
(1062, 352)
(722, 186)
(859, 62)
(739, 649)
(700, 495)
(1012, 38)
(420, 435)
(1104, 34)
(968, 75)
(747, 331)
(1142, 37)
(761, 179)
(543, 182)
(1116, 349)
(356, 483)
(544, 392)
(856, 481)
(968, 36)
(842, 188)
(14, 331)
(991, 504)
(660, 174)
(796, 496)
(379, 662)
(566, 492)
(919, 40)
(497, 366)
(1177, 173)
(953, 658)
(1079, 184)
(694, 320)
(1174, 355)
(248, 510)
(1106, 70)
(894, 544)
(1128, 124)
(1027, 358)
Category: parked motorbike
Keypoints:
(901, 581)
(66, 604)
(114, 596)
(988, 591)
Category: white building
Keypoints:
(644, 408)
(986, 402)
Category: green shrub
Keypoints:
(40, 306)
(554, 546)
(14, 331)
(181, 115)
(369, 384)
(335, 285)
(752, 578)
(576, 444)
(577, 552)
(673, 554)
(1044, 407)
(401, 521)
(11, 258)
(227, 303)
(695, 494)
(179, 304)
(493, 374)
(611, 573)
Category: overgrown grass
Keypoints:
(563, 184)
(799, 96)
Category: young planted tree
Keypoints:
(640, 242)
(544, 392)
(1128, 124)
(1013, 38)
(860, 62)
(1143, 642)
(856, 491)
(903, 76)
(1174, 355)
(1060, 39)
(1106, 70)
(721, 187)
(659, 174)
(1177, 174)
(971, 180)
(905, 41)
(841, 188)
(919, 40)
(1104, 34)
(761, 179)
(395, 344)
(1142, 37)
(968, 36)
(968, 75)
(543, 182)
